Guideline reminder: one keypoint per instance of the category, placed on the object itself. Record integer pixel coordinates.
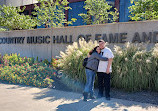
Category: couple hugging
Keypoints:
(100, 62)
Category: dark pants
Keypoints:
(103, 82)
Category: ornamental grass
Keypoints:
(70, 61)
(134, 68)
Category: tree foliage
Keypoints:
(51, 13)
(11, 18)
(2, 29)
(99, 12)
(144, 10)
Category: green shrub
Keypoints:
(54, 63)
(2, 29)
(13, 59)
(46, 61)
(23, 70)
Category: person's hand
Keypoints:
(89, 55)
(107, 71)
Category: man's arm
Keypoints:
(109, 64)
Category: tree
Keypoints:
(99, 12)
(11, 18)
(51, 13)
(2, 29)
(143, 10)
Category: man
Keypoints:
(104, 71)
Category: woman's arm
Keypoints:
(99, 57)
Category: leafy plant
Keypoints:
(2, 29)
(35, 75)
(54, 63)
(51, 13)
(24, 70)
(46, 61)
(11, 18)
(13, 59)
(99, 12)
(144, 10)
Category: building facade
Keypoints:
(77, 8)
(124, 11)
(17, 3)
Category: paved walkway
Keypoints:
(19, 98)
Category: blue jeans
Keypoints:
(90, 75)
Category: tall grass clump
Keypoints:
(70, 61)
(135, 68)
(154, 67)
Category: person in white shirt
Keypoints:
(104, 71)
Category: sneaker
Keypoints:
(92, 97)
(85, 95)
(84, 99)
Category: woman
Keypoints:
(91, 68)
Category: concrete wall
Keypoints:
(44, 50)
(19, 2)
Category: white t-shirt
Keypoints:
(106, 52)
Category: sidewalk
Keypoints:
(20, 98)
